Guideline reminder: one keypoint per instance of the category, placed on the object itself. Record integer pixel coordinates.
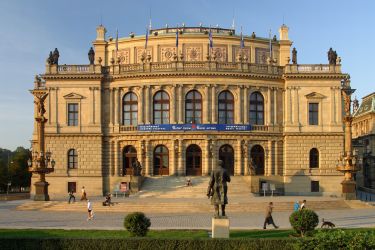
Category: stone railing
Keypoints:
(205, 66)
(124, 128)
(73, 69)
(312, 68)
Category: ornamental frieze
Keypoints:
(141, 54)
(261, 55)
(240, 53)
(166, 54)
(194, 53)
(124, 56)
(220, 53)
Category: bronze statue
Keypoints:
(332, 56)
(56, 56)
(50, 58)
(137, 167)
(217, 188)
(91, 55)
(294, 56)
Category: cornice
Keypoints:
(313, 76)
(72, 76)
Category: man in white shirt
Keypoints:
(89, 210)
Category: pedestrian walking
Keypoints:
(71, 197)
(83, 194)
(90, 211)
(296, 206)
(303, 205)
(269, 220)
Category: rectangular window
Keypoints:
(313, 113)
(314, 186)
(73, 114)
(72, 186)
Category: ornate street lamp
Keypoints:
(348, 162)
(41, 162)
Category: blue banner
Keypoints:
(193, 127)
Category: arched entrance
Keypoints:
(129, 155)
(161, 160)
(193, 160)
(257, 158)
(226, 154)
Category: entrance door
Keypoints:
(161, 160)
(226, 154)
(193, 160)
(257, 157)
(129, 156)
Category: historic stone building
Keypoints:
(180, 104)
(364, 139)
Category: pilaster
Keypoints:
(246, 105)
(213, 104)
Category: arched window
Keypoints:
(193, 107)
(314, 158)
(72, 159)
(256, 109)
(130, 109)
(161, 108)
(226, 108)
(193, 160)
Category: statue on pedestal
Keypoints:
(332, 56)
(55, 56)
(294, 56)
(137, 168)
(217, 188)
(91, 55)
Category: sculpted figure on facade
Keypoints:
(91, 55)
(294, 56)
(332, 56)
(55, 56)
(50, 58)
(217, 188)
(137, 168)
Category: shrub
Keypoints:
(137, 224)
(339, 239)
(304, 221)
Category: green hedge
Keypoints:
(146, 244)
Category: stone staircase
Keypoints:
(166, 195)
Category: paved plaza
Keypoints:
(11, 217)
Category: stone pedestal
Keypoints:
(220, 227)
(41, 191)
(348, 190)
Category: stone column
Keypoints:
(49, 106)
(213, 105)
(116, 159)
(269, 106)
(116, 92)
(246, 109)
(246, 158)
(276, 157)
(206, 108)
(268, 169)
(288, 105)
(173, 104)
(296, 107)
(214, 155)
(111, 115)
(238, 107)
(140, 106)
(97, 99)
(275, 106)
(206, 158)
(174, 157)
(238, 158)
(339, 105)
(181, 104)
(92, 104)
(181, 170)
(147, 105)
(149, 168)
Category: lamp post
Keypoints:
(348, 163)
(41, 162)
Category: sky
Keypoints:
(30, 29)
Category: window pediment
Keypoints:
(315, 95)
(73, 96)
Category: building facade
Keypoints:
(364, 140)
(180, 104)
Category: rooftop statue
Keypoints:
(50, 58)
(217, 188)
(55, 56)
(91, 55)
(332, 56)
(294, 56)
